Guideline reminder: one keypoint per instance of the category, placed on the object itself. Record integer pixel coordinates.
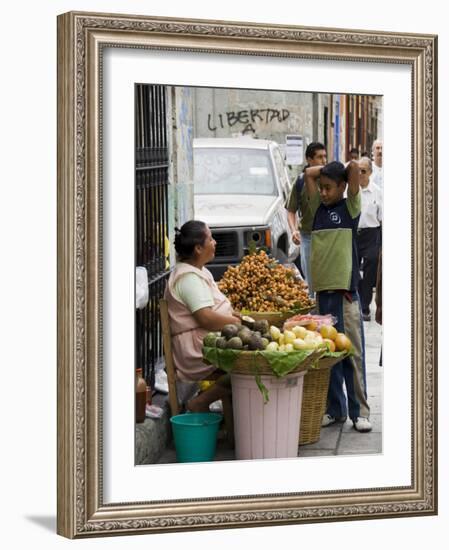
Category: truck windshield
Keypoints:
(233, 172)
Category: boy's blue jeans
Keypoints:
(306, 239)
(352, 370)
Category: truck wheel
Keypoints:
(281, 256)
(281, 249)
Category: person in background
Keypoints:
(379, 297)
(335, 277)
(196, 306)
(297, 207)
(379, 290)
(353, 154)
(378, 175)
(368, 235)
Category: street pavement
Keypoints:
(342, 438)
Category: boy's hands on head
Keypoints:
(313, 171)
(353, 177)
(351, 168)
(311, 174)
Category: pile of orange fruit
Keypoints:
(260, 283)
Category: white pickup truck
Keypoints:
(240, 189)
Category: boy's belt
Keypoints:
(367, 229)
(346, 293)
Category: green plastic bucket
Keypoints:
(195, 436)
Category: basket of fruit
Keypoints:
(255, 347)
(265, 289)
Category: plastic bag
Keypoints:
(296, 273)
(160, 377)
(308, 318)
(142, 295)
(153, 411)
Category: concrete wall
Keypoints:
(180, 137)
(263, 114)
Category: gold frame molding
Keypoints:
(81, 37)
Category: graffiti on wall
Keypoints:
(248, 118)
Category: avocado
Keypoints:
(229, 331)
(234, 343)
(268, 336)
(210, 340)
(220, 342)
(262, 325)
(248, 321)
(255, 343)
(265, 342)
(245, 335)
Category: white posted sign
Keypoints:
(294, 149)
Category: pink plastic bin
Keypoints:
(268, 430)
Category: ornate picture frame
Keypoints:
(82, 511)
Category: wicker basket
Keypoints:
(314, 397)
(248, 361)
(277, 318)
(251, 362)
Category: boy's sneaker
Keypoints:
(328, 420)
(362, 424)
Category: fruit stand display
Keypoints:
(316, 383)
(264, 288)
(266, 354)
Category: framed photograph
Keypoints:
(106, 64)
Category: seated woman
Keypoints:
(195, 307)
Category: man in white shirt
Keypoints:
(368, 234)
(378, 175)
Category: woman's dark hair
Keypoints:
(335, 171)
(191, 233)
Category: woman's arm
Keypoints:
(209, 319)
